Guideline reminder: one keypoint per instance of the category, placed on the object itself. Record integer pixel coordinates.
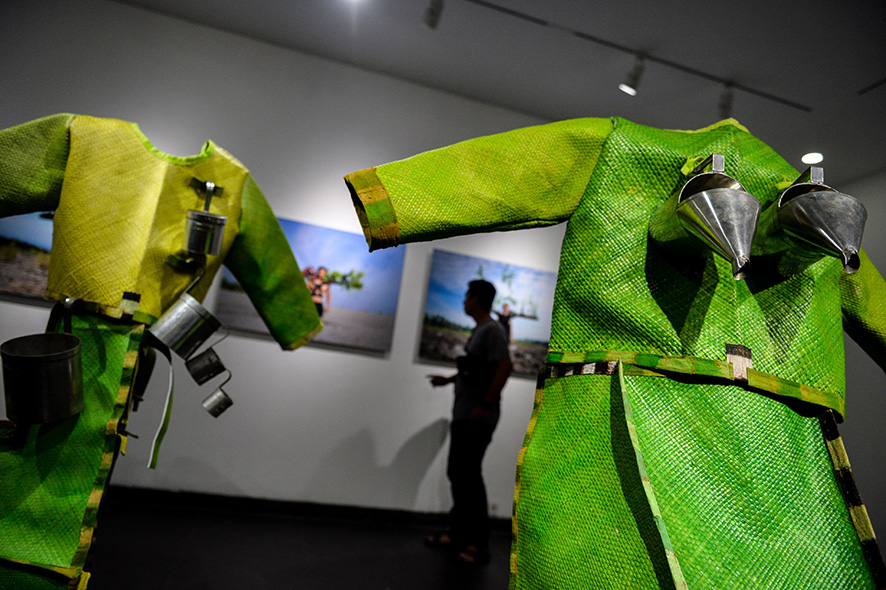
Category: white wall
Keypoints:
(317, 425)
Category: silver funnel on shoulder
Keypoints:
(811, 220)
(714, 208)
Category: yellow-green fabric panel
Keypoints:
(263, 263)
(121, 209)
(864, 309)
(618, 290)
(32, 164)
(122, 212)
(519, 179)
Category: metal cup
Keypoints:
(205, 366)
(217, 402)
(185, 326)
(42, 378)
(204, 232)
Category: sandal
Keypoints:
(441, 539)
(471, 555)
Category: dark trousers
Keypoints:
(469, 518)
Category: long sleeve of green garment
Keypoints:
(864, 309)
(530, 177)
(32, 164)
(262, 261)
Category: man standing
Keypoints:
(482, 373)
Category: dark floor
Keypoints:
(162, 540)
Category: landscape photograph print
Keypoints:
(355, 292)
(25, 244)
(523, 303)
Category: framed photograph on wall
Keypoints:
(25, 244)
(523, 303)
(356, 291)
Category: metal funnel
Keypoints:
(712, 207)
(814, 215)
(726, 220)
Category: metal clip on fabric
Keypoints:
(712, 209)
(811, 220)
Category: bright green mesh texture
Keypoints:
(16, 577)
(582, 519)
(617, 290)
(262, 260)
(48, 478)
(744, 484)
(33, 164)
(524, 178)
(746, 489)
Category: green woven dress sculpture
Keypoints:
(648, 462)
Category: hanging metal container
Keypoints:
(217, 402)
(42, 378)
(204, 233)
(185, 326)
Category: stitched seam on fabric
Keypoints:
(858, 514)
(660, 365)
(89, 519)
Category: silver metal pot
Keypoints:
(185, 326)
(42, 378)
(204, 233)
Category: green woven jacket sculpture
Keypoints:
(646, 464)
(120, 208)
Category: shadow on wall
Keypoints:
(353, 463)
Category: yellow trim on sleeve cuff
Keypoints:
(306, 338)
(374, 209)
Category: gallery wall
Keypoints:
(320, 424)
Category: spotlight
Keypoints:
(812, 158)
(629, 86)
(725, 104)
(432, 14)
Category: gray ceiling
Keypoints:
(816, 54)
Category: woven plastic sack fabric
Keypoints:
(121, 209)
(669, 475)
(53, 481)
(29, 579)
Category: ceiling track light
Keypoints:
(632, 82)
(724, 106)
(432, 15)
(488, 4)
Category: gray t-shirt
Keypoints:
(487, 345)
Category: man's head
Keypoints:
(480, 293)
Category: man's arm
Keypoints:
(439, 380)
(502, 372)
